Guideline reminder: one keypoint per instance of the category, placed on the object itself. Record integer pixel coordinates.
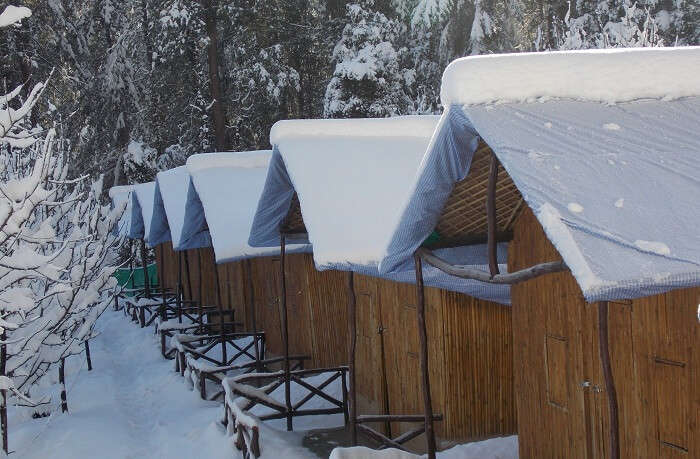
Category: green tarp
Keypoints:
(126, 279)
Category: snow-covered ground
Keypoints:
(133, 405)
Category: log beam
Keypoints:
(477, 274)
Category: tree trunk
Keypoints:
(217, 108)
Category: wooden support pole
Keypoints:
(491, 216)
(352, 332)
(251, 307)
(188, 278)
(144, 259)
(87, 355)
(179, 292)
(3, 407)
(62, 381)
(604, 348)
(285, 332)
(220, 308)
(425, 376)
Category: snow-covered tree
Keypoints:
(56, 250)
(369, 79)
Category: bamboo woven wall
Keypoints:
(655, 354)
(470, 358)
(470, 348)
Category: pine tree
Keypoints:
(369, 79)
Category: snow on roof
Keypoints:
(119, 195)
(601, 75)
(226, 188)
(351, 177)
(142, 210)
(614, 186)
(116, 191)
(169, 206)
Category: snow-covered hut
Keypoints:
(121, 195)
(588, 163)
(175, 250)
(339, 184)
(225, 191)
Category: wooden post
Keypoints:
(425, 376)
(200, 315)
(179, 290)
(144, 259)
(3, 408)
(62, 381)
(352, 331)
(604, 348)
(220, 307)
(491, 216)
(251, 305)
(87, 355)
(187, 275)
(285, 333)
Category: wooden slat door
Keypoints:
(548, 314)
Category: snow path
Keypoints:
(132, 405)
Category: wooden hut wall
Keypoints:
(166, 262)
(655, 354)
(316, 308)
(470, 358)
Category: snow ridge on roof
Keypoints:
(116, 190)
(243, 159)
(397, 126)
(602, 75)
(170, 200)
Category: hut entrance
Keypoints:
(372, 388)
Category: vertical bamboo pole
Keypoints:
(220, 308)
(285, 332)
(425, 376)
(251, 305)
(200, 298)
(604, 348)
(491, 216)
(62, 381)
(179, 289)
(3, 408)
(352, 331)
(144, 259)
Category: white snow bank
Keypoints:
(229, 186)
(352, 176)
(601, 75)
(493, 448)
(13, 14)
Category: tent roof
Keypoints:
(350, 177)
(224, 191)
(614, 186)
(142, 210)
(602, 75)
(169, 206)
(119, 195)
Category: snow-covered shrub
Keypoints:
(56, 250)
